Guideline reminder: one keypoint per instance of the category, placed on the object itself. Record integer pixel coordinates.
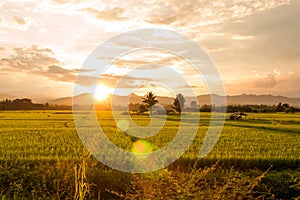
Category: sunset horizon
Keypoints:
(253, 45)
(154, 99)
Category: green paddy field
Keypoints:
(42, 157)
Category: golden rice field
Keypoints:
(40, 152)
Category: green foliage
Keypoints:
(133, 107)
(143, 108)
(178, 103)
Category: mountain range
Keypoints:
(252, 99)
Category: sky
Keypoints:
(254, 45)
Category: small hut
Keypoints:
(238, 115)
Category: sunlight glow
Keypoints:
(102, 92)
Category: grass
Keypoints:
(40, 152)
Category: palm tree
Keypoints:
(150, 100)
(178, 103)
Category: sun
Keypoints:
(102, 92)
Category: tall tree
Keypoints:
(178, 103)
(150, 100)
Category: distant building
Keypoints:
(238, 115)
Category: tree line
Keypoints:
(27, 104)
(148, 104)
(149, 101)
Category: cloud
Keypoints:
(113, 81)
(66, 1)
(126, 81)
(56, 73)
(286, 83)
(261, 41)
(273, 35)
(189, 86)
(19, 20)
(204, 12)
(147, 60)
(37, 60)
(108, 14)
(192, 14)
(2, 49)
(268, 81)
(30, 58)
(86, 80)
(60, 74)
(242, 37)
(276, 71)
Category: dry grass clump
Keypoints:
(200, 183)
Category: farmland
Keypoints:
(40, 152)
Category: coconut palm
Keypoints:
(150, 100)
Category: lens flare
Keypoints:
(141, 150)
(141, 147)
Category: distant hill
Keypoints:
(202, 99)
(250, 99)
(36, 98)
(85, 98)
(20, 94)
(81, 99)
(262, 99)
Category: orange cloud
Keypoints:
(284, 84)
(19, 20)
(39, 61)
(113, 14)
